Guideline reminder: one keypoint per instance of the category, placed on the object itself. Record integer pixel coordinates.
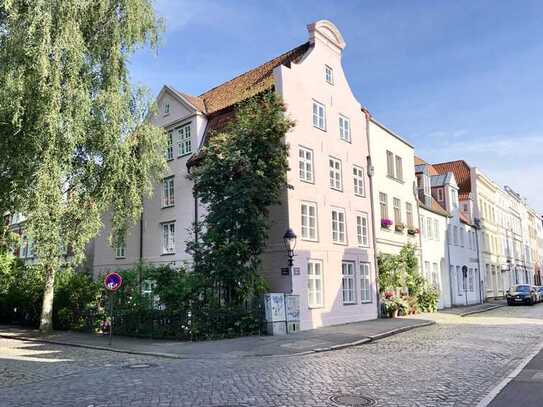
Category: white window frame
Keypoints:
(309, 232)
(436, 229)
(335, 173)
(312, 290)
(184, 140)
(383, 205)
(362, 229)
(305, 165)
(365, 283)
(344, 128)
(120, 250)
(358, 180)
(169, 146)
(348, 288)
(168, 192)
(440, 194)
(328, 74)
(429, 229)
(390, 164)
(398, 162)
(409, 214)
(168, 237)
(397, 208)
(166, 109)
(339, 226)
(319, 115)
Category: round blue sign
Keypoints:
(113, 281)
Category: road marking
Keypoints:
(499, 387)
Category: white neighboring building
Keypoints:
(433, 219)
(462, 242)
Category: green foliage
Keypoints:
(241, 174)
(75, 295)
(427, 299)
(399, 271)
(74, 142)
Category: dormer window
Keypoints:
(329, 74)
(166, 109)
(440, 195)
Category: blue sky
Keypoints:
(459, 79)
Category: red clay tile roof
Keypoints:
(419, 161)
(431, 169)
(249, 83)
(462, 173)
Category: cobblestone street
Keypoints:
(453, 363)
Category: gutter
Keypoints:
(479, 264)
(369, 171)
(449, 262)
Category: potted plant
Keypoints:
(386, 223)
(399, 227)
(411, 230)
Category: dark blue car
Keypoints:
(522, 294)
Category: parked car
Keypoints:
(539, 290)
(522, 294)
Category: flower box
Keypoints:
(412, 231)
(386, 223)
(399, 227)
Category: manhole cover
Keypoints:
(352, 401)
(139, 366)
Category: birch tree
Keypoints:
(74, 142)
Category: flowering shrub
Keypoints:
(386, 223)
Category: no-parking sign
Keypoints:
(113, 281)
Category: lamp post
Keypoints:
(289, 240)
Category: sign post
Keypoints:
(112, 282)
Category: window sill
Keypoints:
(364, 246)
(315, 306)
(360, 195)
(318, 128)
(309, 240)
(168, 254)
(345, 140)
(336, 189)
(366, 302)
(120, 258)
(184, 155)
(401, 181)
(169, 206)
(340, 243)
(349, 303)
(307, 182)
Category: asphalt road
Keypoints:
(456, 362)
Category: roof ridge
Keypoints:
(253, 69)
(453, 161)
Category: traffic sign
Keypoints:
(113, 281)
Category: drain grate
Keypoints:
(139, 366)
(352, 401)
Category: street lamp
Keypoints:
(289, 240)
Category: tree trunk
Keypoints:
(46, 322)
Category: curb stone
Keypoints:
(465, 314)
(362, 341)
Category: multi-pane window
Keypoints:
(335, 174)
(329, 74)
(459, 280)
(461, 237)
(319, 116)
(436, 229)
(120, 248)
(383, 205)
(365, 283)
(397, 211)
(429, 230)
(184, 141)
(168, 198)
(440, 194)
(455, 235)
(422, 226)
(409, 214)
(166, 108)
(314, 284)
(168, 238)
(169, 146)
(362, 229)
(305, 164)
(26, 249)
(309, 221)
(471, 285)
(399, 168)
(390, 164)
(338, 226)
(347, 284)
(358, 178)
(344, 128)
(435, 275)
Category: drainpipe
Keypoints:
(481, 300)
(449, 262)
(141, 249)
(370, 175)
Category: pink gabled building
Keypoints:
(327, 204)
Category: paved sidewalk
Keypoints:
(473, 309)
(315, 340)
